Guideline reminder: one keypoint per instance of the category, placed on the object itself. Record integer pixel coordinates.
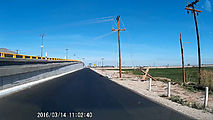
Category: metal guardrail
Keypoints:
(19, 56)
(16, 75)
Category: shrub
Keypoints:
(207, 78)
(177, 99)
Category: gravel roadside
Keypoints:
(134, 84)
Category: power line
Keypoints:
(123, 23)
(99, 21)
(105, 17)
(104, 35)
(128, 35)
(115, 23)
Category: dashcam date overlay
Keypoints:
(64, 114)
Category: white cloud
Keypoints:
(208, 5)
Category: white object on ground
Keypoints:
(206, 97)
(168, 90)
(150, 84)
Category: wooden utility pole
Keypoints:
(190, 7)
(183, 69)
(119, 43)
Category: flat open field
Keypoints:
(175, 75)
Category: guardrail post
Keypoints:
(168, 90)
(206, 97)
(150, 84)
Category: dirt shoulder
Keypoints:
(159, 89)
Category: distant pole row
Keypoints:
(42, 46)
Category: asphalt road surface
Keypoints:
(82, 94)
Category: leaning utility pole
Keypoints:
(42, 46)
(119, 43)
(195, 12)
(183, 69)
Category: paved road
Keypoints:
(83, 91)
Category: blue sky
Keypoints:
(152, 36)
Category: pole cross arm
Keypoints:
(187, 8)
(118, 29)
(114, 29)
